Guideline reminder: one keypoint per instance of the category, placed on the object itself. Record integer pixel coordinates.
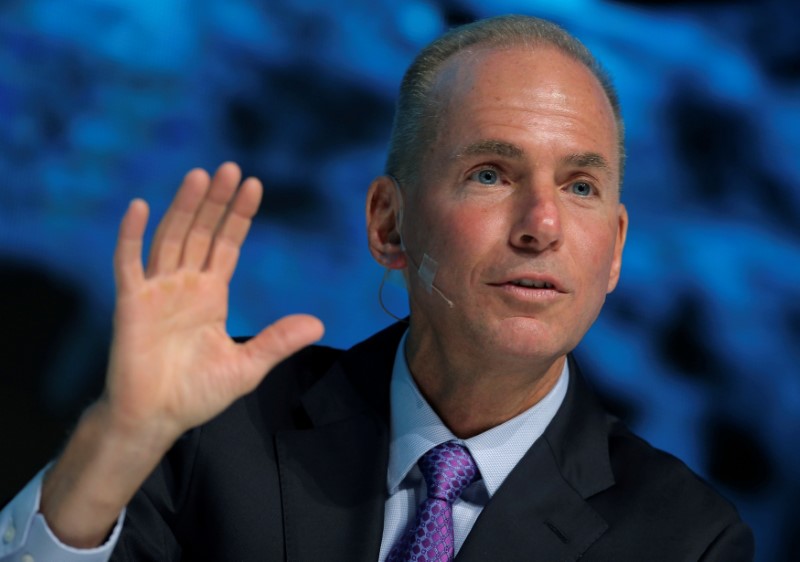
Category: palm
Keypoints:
(172, 363)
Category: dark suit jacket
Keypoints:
(296, 471)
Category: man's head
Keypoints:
(418, 111)
(515, 196)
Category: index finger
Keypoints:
(128, 269)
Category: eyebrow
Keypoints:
(587, 160)
(509, 150)
(494, 147)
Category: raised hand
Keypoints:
(172, 365)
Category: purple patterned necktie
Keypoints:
(448, 469)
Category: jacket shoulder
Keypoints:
(659, 502)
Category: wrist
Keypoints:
(149, 437)
(103, 465)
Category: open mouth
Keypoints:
(530, 283)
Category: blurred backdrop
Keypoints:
(104, 100)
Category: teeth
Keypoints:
(532, 283)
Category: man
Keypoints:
(468, 432)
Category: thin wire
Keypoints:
(380, 297)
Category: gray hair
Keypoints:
(418, 113)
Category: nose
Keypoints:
(537, 220)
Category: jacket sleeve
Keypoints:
(151, 531)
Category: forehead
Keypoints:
(525, 92)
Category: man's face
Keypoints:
(518, 204)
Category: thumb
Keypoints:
(281, 339)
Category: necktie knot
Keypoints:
(448, 469)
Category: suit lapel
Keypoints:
(333, 476)
(333, 485)
(535, 515)
(540, 512)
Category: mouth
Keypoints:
(531, 284)
(533, 288)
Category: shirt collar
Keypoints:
(416, 428)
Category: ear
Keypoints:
(619, 245)
(383, 232)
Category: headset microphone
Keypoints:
(428, 268)
(426, 272)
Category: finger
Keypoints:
(128, 270)
(208, 217)
(278, 341)
(170, 236)
(233, 231)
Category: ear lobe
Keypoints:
(383, 232)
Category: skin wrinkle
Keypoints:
(422, 102)
(551, 100)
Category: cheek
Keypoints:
(466, 235)
(594, 248)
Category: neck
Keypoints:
(471, 390)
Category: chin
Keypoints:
(528, 338)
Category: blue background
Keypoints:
(101, 101)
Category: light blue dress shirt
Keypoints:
(416, 428)
(26, 537)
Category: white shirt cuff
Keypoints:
(26, 537)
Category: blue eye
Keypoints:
(485, 176)
(581, 188)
